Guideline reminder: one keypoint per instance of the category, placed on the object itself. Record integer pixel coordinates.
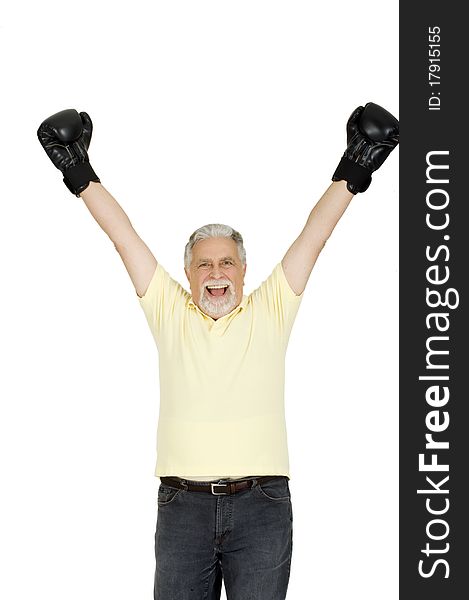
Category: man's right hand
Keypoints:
(66, 136)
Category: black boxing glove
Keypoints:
(372, 133)
(66, 136)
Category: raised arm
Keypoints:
(372, 133)
(135, 254)
(66, 136)
(301, 257)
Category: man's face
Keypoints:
(215, 262)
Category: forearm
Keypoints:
(372, 132)
(327, 212)
(107, 212)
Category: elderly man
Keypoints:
(224, 505)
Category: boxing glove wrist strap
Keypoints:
(78, 178)
(358, 178)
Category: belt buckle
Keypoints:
(218, 493)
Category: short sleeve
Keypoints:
(163, 301)
(278, 300)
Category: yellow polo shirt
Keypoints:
(221, 381)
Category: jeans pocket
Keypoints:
(275, 489)
(166, 494)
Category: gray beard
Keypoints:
(219, 307)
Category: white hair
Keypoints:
(210, 231)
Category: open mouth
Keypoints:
(217, 290)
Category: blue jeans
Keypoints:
(244, 538)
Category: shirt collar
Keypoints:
(191, 304)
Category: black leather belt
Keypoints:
(218, 489)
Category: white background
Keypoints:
(203, 111)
